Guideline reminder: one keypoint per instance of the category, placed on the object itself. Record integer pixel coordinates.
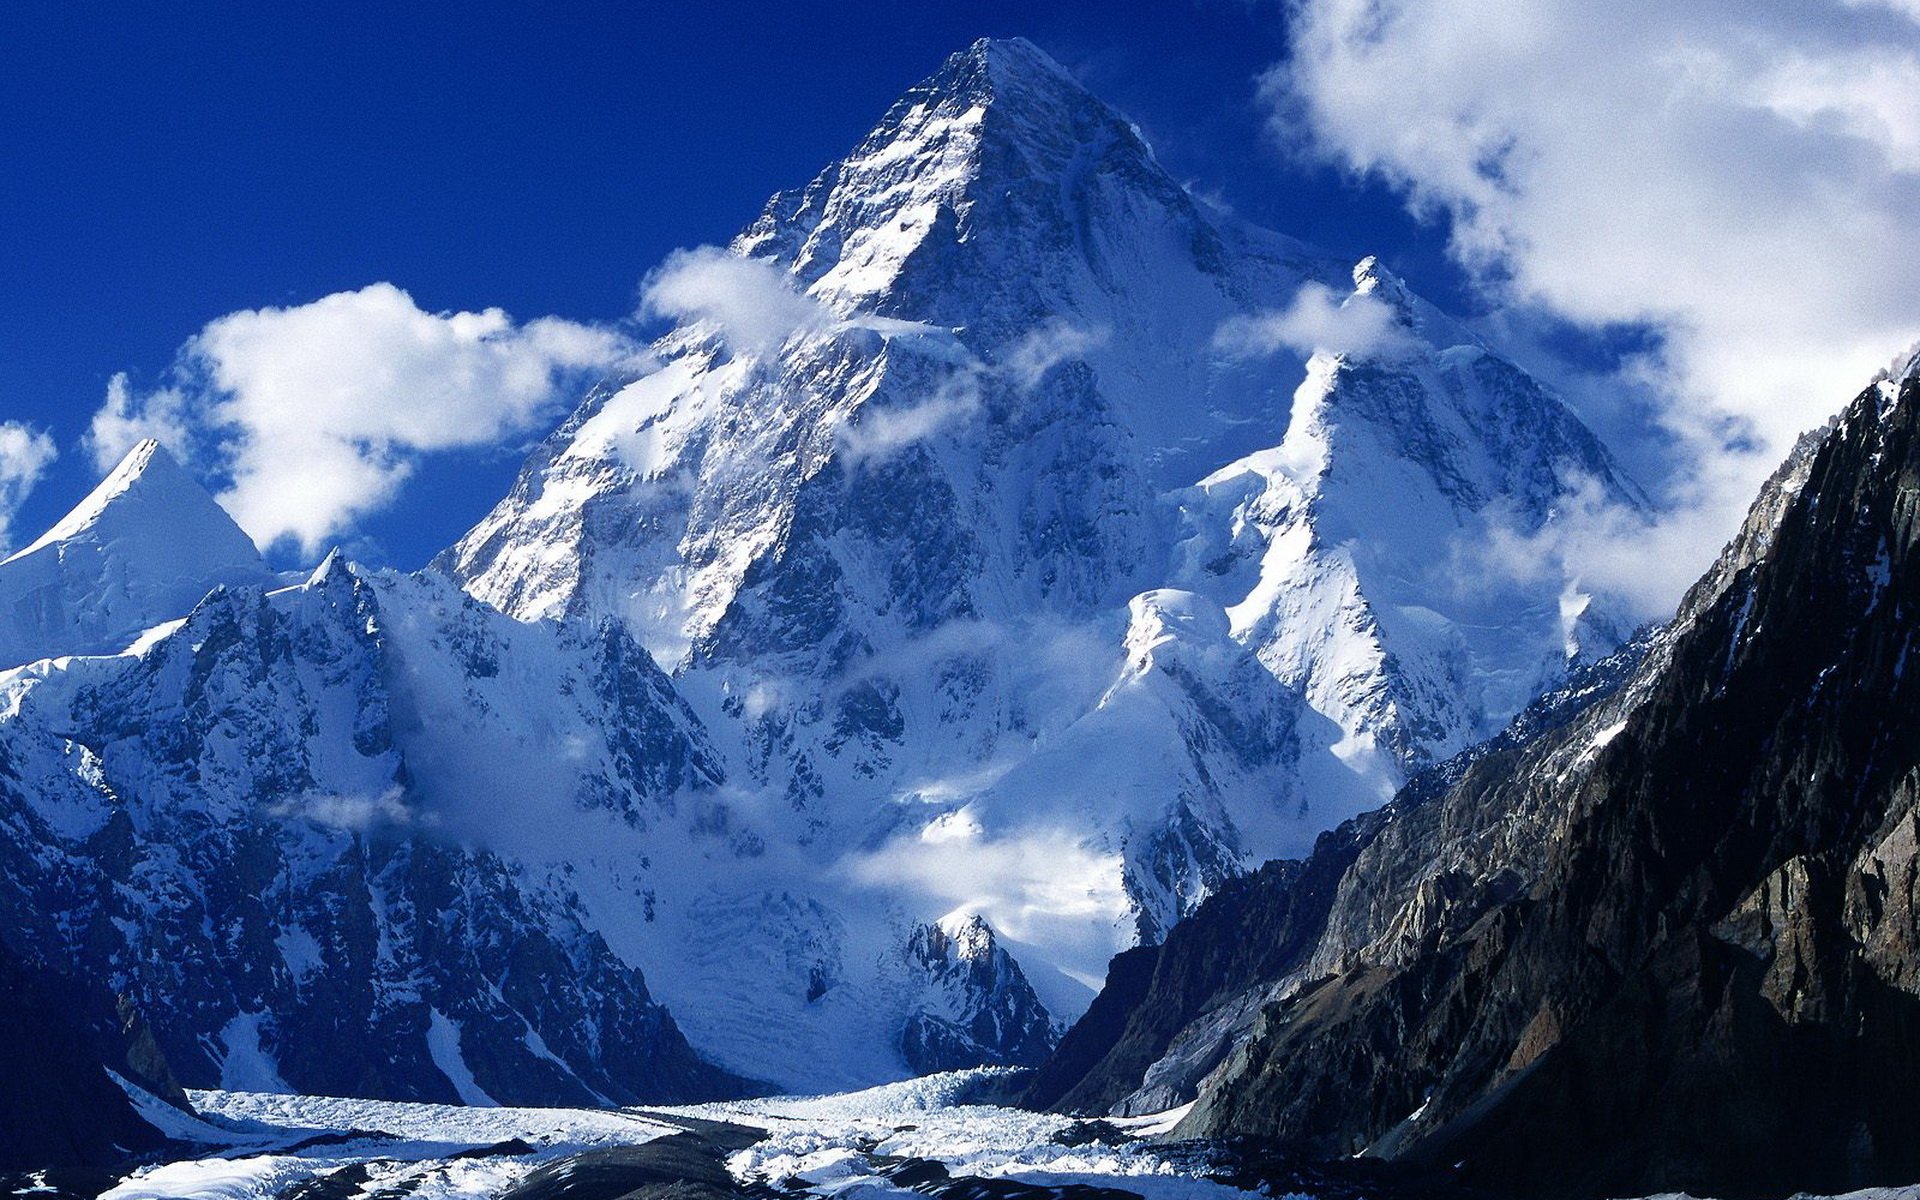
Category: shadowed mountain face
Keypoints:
(1667, 942)
(59, 1106)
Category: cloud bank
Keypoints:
(316, 414)
(1744, 179)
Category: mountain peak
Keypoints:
(1904, 367)
(1000, 154)
(1004, 64)
(146, 469)
(142, 548)
(1372, 278)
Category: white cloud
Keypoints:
(1318, 321)
(1055, 341)
(127, 419)
(1041, 886)
(318, 413)
(752, 304)
(1591, 545)
(353, 813)
(877, 432)
(1744, 178)
(25, 455)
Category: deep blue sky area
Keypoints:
(164, 163)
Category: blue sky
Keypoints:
(1698, 220)
(161, 165)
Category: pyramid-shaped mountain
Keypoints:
(906, 553)
(141, 549)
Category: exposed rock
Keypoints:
(1668, 944)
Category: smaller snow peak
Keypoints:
(146, 467)
(1171, 611)
(1169, 622)
(146, 457)
(969, 934)
(150, 498)
(144, 451)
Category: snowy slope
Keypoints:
(1014, 593)
(1343, 555)
(143, 548)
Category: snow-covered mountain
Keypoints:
(363, 835)
(1350, 559)
(1658, 937)
(1012, 590)
(284, 827)
(985, 548)
(143, 548)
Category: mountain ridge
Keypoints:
(1665, 944)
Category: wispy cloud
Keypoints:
(752, 304)
(354, 813)
(1025, 884)
(1318, 321)
(878, 430)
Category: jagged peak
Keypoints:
(332, 568)
(947, 154)
(962, 934)
(1905, 366)
(1023, 97)
(150, 479)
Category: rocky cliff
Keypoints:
(1667, 943)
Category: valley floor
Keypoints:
(923, 1138)
(885, 1140)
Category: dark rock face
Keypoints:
(1155, 993)
(1169, 1015)
(1668, 944)
(58, 1105)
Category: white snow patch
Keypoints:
(247, 1066)
(443, 1044)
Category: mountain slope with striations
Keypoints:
(1660, 938)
